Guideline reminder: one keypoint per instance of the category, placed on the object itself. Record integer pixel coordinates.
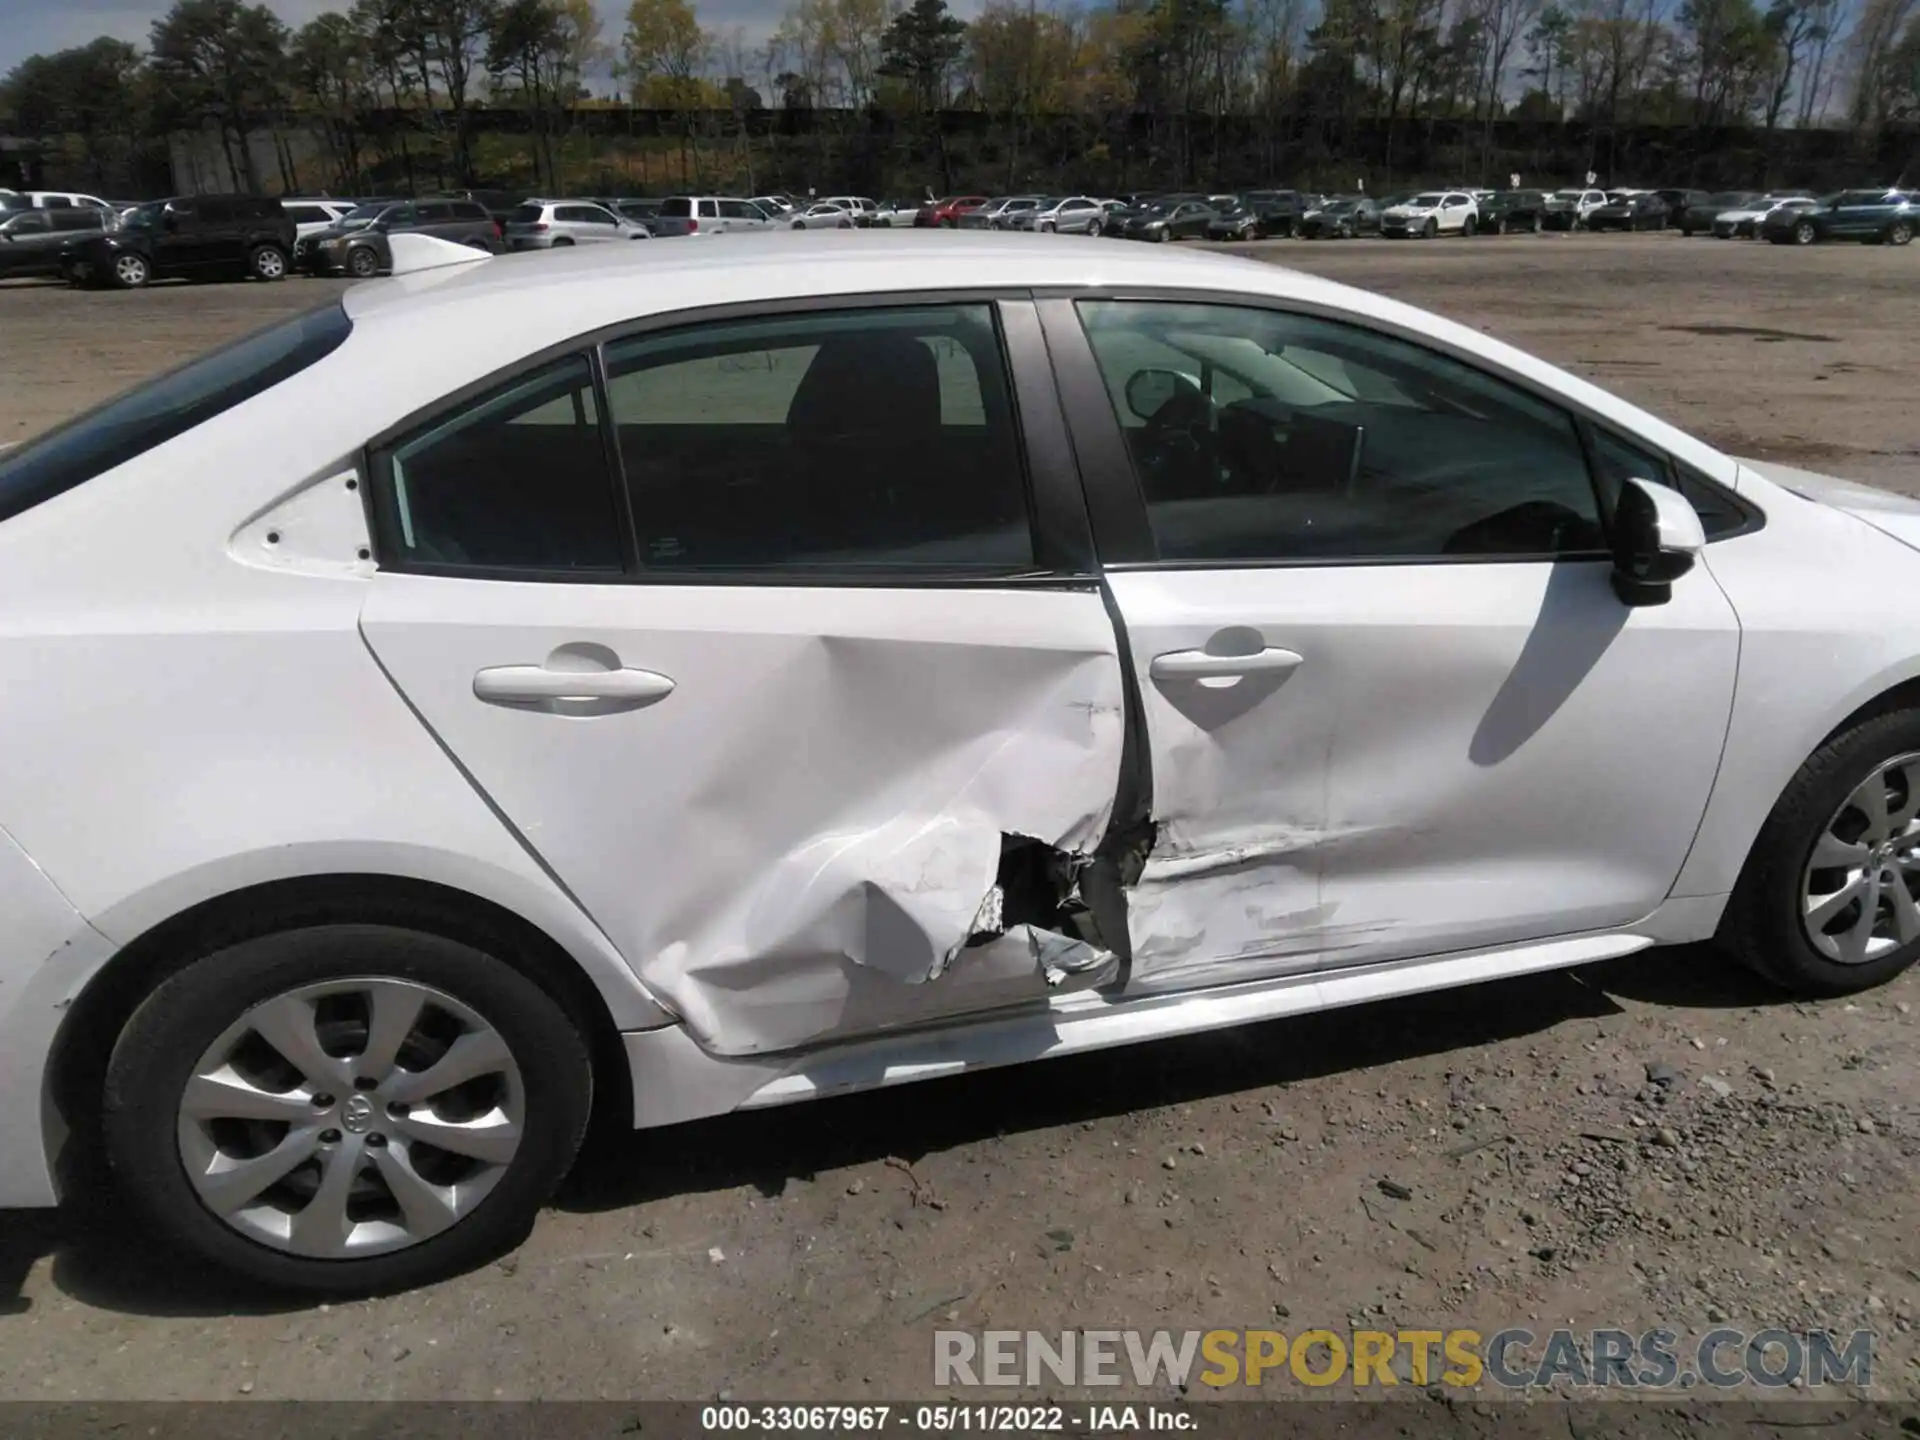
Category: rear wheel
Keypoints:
(1900, 232)
(1826, 904)
(1804, 233)
(130, 271)
(362, 263)
(267, 262)
(345, 1108)
(1432, 229)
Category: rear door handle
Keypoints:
(1200, 665)
(530, 685)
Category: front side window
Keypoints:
(517, 480)
(1259, 435)
(877, 439)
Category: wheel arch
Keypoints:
(92, 1022)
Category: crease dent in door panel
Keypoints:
(920, 893)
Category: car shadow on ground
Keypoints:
(99, 1261)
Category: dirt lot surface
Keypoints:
(1655, 1142)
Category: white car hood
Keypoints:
(1888, 512)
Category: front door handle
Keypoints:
(1202, 665)
(537, 686)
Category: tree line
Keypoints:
(403, 88)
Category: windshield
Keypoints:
(156, 412)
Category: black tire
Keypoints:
(563, 243)
(1467, 227)
(1804, 233)
(1686, 231)
(1900, 232)
(1432, 230)
(362, 263)
(267, 262)
(1762, 923)
(187, 1012)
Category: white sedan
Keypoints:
(521, 685)
(821, 215)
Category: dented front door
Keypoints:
(781, 749)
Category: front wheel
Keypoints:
(1826, 904)
(1467, 228)
(1804, 233)
(267, 262)
(362, 263)
(131, 271)
(1094, 228)
(345, 1108)
(1900, 232)
(1432, 229)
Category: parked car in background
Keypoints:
(1639, 210)
(860, 207)
(1888, 216)
(1256, 215)
(31, 240)
(1071, 215)
(1432, 213)
(639, 211)
(945, 214)
(708, 215)
(1340, 217)
(310, 217)
(190, 236)
(892, 214)
(1743, 222)
(1503, 212)
(1698, 216)
(1569, 209)
(556, 224)
(74, 200)
(820, 215)
(998, 212)
(776, 205)
(1165, 220)
(357, 245)
(1680, 201)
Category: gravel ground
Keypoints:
(1660, 1141)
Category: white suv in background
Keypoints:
(1433, 212)
(708, 215)
(545, 224)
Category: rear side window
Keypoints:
(678, 208)
(156, 412)
(526, 214)
(518, 479)
(435, 211)
(467, 210)
(306, 214)
(840, 442)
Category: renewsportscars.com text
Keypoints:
(1511, 1359)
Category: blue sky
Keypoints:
(34, 26)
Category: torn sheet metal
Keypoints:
(796, 844)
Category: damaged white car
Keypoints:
(698, 681)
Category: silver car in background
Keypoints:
(822, 215)
(556, 224)
(998, 213)
(1075, 215)
(709, 215)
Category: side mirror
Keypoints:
(1656, 538)
(1148, 391)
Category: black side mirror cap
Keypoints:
(1657, 537)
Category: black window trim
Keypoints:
(1064, 553)
(1118, 507)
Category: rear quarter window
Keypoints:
(678, 208)
(161, 409)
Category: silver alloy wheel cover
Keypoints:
(362, 1142)
(1856, 889)
(268, 264)
(130, 269)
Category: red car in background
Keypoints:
(945, 214)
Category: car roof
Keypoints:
(577, 291)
